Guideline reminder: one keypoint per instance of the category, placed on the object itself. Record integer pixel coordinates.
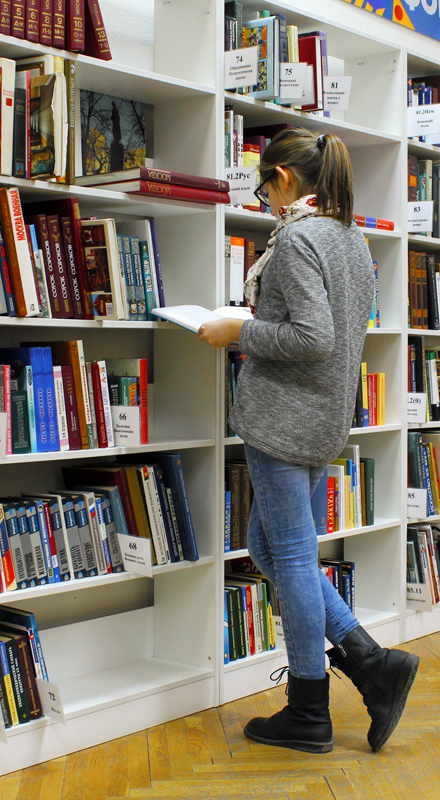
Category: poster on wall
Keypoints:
(422, 16)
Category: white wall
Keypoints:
(133, 19)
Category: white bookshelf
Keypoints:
(129, 652)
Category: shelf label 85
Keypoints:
(417, 503)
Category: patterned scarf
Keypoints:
(304, 207)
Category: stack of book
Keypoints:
(423, 291)
(370, 399)
(344, 497)
(423, 466)
(56, 400)
(152, 502)
(421, 92)
(373, 222)
(156, 182)
(423, 562)
(251, 603)
(75, 25)
(21, 662)
(342, 575)
(238, 502)
(423, 375)
(55, 265)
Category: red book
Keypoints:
(372, 398)
(60, 269)
(75, 26)
(96, 41)
(330, 505)
(310, 53)
(69, 207)
(385, 224)
(170, 191)
(18, 14)
(50, 536)
(32, 21)
(157, 175)
(46, 22)
(7, 279)
(72, 268)
(7, 406)
(99, 406)
(360, 220)
(71, 408)
(5, 17)
(59, 24)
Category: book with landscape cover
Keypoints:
(103, 271)
(49, 125)
(116, 134)
(264, 33)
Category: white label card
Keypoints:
(241, 67)
(136, 553)
(280, 641)
(126, 421)
(308, 95)
(423, 120)
(416, 407)
(417, 503)
(3, 424)
(292, 81)
(51, 700)
(336, 92)
(419, 594)
(242, 184)
(420, 216)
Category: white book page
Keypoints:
(192, 317)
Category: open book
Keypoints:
(192, 317)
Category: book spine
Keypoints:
(46, 22)
(36, 535)
(19, 153)
(92, 404)
(72, 269)
(130, 279)
(106, 403)
(59, 24)
(63, 430)
(44, 534)
(5, 668)
(143, 399)
(82, 395)
(19, 423)
(141, 300)
(28, 678)
(59, 267)
(176, 191)
(7, 406)
(100, 417)
(153, 514)
(166, 515)
(75, 26)
(86, 540)
(71, 408)
(5, 17)
(58, 539)
(96, 41)
(183, 179)
(193, 555)
(52, 422)
(18, 14)
(7, 114)
(6, 278)
(157, 265)
(95, 531)
(6, 556)
(32, 20)
(18, 253)
(75, 545)
(112, 537)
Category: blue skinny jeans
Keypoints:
(282, 543)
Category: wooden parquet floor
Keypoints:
(206, 757)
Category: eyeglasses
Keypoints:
(260, 194)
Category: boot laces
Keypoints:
(277, 676)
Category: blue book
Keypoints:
(139, 289)
(129, 279)
(42, 565)
(265, 34)
(172, 467)
(319, 503)
(53, 572)
(20, 621)
(166, 512)
(227, 521)
(148, 281)
(52, 420)
(15, 545)
(32, 356)
(102, 527)
(427, 480)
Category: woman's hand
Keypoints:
(220, 333)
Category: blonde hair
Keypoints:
(320, 163)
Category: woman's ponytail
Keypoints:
(321, 164)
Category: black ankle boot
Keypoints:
(383, 677)
(304, 724)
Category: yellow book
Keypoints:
(10, 696)
(251, 158)
(364, 393)
(292, 43)
(381, 398)
(271, 626)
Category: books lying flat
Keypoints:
(154, 174)
(169, 191)
(192, 317)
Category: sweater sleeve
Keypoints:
(308, 335)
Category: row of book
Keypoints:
(251, 604)
(423, 466)
(423, 375)
(54, 537)
(423, 291)
(423, 91)
(278, 43)
(370, 399)
(53, 264)
(423, 184)
(75, 25)
(341, 573)
(21, 663)
(423, 561)
(344, 497)
(56, 400)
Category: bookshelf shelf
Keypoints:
(375, 429)
(108, 452)
(381, 524)
(426, 242)
(244, 663)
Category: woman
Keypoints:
(312, 293)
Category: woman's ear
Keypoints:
(288, 180)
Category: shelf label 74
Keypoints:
(241, 67)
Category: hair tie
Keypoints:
(321, 142)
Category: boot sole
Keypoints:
(406, 681)
(292, 744)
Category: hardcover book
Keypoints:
(264, 34)
(116, 133)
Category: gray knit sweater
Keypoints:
(296, 391)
